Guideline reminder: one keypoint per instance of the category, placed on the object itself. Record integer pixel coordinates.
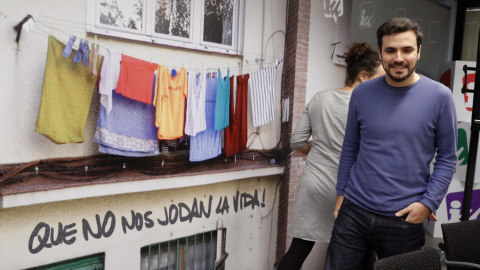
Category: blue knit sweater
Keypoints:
(392, 135)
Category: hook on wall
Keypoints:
(25, 24)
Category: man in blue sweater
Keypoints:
(396, 125)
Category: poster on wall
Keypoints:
(451, 207)
(453, 76)
(454, 202)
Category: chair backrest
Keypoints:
(425, 259)
(462, 242)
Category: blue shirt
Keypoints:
(222, 102)
(207, 144)
(392, 135)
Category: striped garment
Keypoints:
(261, 87)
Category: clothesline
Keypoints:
(252, 60)
(236, 68)
(80, 27)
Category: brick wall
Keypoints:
(295, 87)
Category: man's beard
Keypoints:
(396, 79)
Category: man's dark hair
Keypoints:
(399, 25)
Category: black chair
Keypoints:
(462, 244)
(424, 259)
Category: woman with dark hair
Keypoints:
(324, 119)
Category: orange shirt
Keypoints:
(169, 101)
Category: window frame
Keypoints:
(462, 6)
(234, 27)
(148, 35)
(151, 25)
(76, 263)
(179, 249)
(115, 29)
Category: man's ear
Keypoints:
(380, 54)
(418, 54)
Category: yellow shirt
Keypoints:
(170, 103)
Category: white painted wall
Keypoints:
(251, 233)
(22, 68)
(323, 73)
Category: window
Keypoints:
(470, 36)
(466, 31)
(193, 252)
(209, 25)
(94, 262)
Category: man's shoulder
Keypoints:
(434, 85)
(368, 86)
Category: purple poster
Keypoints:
(454, 205)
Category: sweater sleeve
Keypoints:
(351, 144)
(302, 131)
(446, 156)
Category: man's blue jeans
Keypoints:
(357, 232)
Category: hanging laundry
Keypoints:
(195, 120)
(68, 47)
(129, 129)
(92, 61)
(135, 80)
(109, 77)
(170, 103)
(82, 53)
(262, 95)
(66, 96)
(175, 144)
(236, 132)
(286, 110)
(208, 143)
(222, 103)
